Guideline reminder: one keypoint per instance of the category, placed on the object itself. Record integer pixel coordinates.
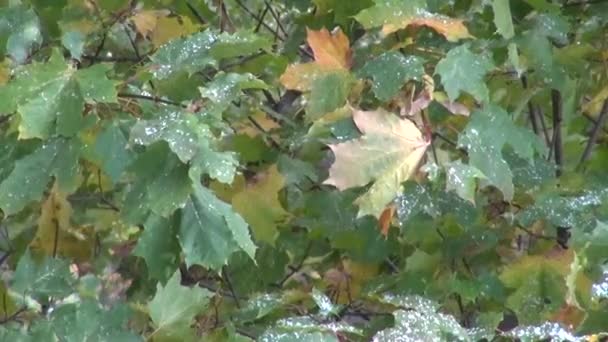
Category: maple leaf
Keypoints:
(387, 153)
(331, 53)
(145, 22)
(394, 15)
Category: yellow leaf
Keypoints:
(169, 28)
(347, 279)
(56, 235)
(594, 106)
(146, 21)
(452, 29)
(260, 206)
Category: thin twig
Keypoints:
(117, 59)
(152, 98)
(595, 133)
(531, 111)
(276, 17)
(13, 316)
(259, 127)
(557, 105)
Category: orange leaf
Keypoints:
(385, 220)
(332, 50)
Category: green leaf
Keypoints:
(157, 170)
(295, 171)
(421, 322)
(173, 308)
(32, 174)
(390, 71)
(240, 43)
(461, 178)
(74, 42)
(180, 130)
(49, 278)
(94, 323)
(210, 231)
(489, 130)
(191, 140)
(502, 18)
(50, 97)
(110, 152)
(305, 329)
(194, 53)
(226, 87)
(189, 54)
(159, 247)
(328, 93)
(463, 71)
(95, 85)
(259, 306)
(20, 32)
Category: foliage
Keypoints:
(303, 170)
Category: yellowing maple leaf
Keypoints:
(387, 153)
(56, 235)
(260, 206)
(452, 29)
(331, 53)
(145, 21)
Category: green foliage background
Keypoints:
(158, 181)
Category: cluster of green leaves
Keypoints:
(316, 170)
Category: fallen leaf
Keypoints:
(387, 153)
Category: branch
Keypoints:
(601, 120)
(558, 113)
(151, 98)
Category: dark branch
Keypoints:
(595, 133)
(151, 98)
(558, 114)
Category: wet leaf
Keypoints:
(388, 153)
(210, 231)
(173, 308)
(390, 71)
(463, 71)
(394, 15)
